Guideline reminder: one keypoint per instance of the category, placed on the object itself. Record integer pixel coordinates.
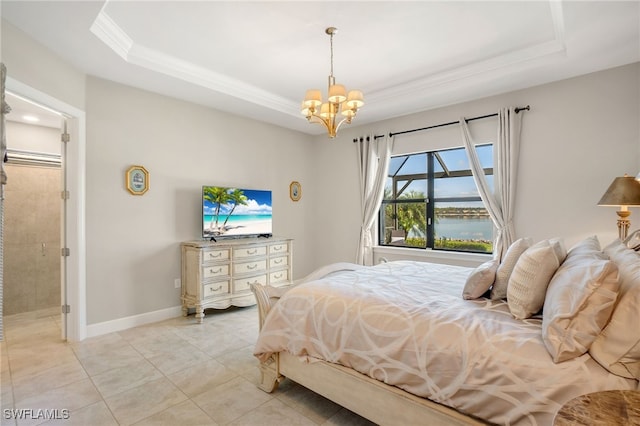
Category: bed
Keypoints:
(398, 344)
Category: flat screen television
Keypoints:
(235, 212)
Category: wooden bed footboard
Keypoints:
(349, 388)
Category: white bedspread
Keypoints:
(406, 324)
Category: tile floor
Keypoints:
(174, 372)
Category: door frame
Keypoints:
(74, 224)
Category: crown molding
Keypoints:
(111, 34)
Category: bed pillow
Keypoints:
(530, 278)
(590, 246)
(499, 290)
(578, 304)
(617, 348)
(480, 280)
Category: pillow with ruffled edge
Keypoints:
(617, 347)
(530, 278)
(499, 290)
(480, 280)
(578, 304)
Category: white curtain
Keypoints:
(506, 150)
(373, 167)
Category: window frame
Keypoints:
(430, 200)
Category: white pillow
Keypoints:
(499, 290)
(617, 348)
(578, 304)
(528, 282)
(480, 280)
(589, 246)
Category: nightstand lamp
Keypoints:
(623, 191)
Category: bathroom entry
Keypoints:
(33, 210)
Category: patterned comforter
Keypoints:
(406, 324)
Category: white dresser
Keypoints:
(218, 274)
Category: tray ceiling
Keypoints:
(257, 59)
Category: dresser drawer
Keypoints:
(242, 284)
(213, 271)
(278, 262)
(279, 276)
(244, 252)
(278, 248)
(215, 255)
(253, 266)
(215, 289)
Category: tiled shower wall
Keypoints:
(31, 238)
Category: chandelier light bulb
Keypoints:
(339, 102)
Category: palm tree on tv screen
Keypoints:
(218, 196)
(237, 197)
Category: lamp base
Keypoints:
(623, 223)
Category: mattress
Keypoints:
(406, 324)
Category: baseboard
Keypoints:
(132, 321)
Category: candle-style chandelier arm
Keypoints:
(339, 102)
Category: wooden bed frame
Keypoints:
(349, 388)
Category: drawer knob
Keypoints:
(217, 271)
(277, 248)
(254, 251)
(278, 276)
(277, 261)
(214, 255)
(254, 266)
(213, 290)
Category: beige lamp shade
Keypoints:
(313, 98)
(337, 93)
(623, 191)
(355, 99)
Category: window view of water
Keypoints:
(464, 228)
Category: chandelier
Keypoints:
(339, 103)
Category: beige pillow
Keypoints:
(590, 246)
(558, 249)
(480, 280)
(578, 304)
(617, 348)
(528, 282)
(499, 290)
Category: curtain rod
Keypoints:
(495, 114)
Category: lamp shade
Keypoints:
(623, 191)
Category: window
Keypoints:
(431, 201)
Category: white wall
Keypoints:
(28, 137)
(133, 253)
(579, 135)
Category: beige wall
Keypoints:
(579, 135)
(133, 251)
(32, 239)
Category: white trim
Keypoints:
(133, 321)
(76, 224)
(384, 253)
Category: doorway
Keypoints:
(73, 268)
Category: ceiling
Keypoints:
(257, 59)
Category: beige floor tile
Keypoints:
(240, 360)
(45, 380)
(199, 378)
(97, 414)
(111, 359)
(135, 404)
(174, 359)
(231, 400)
(308, 403)
(273, 413)
(70, 397)
(124, 378)
(345, 417)
(184, 413)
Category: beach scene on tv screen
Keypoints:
(234, 212)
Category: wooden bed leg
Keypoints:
(270, 377)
